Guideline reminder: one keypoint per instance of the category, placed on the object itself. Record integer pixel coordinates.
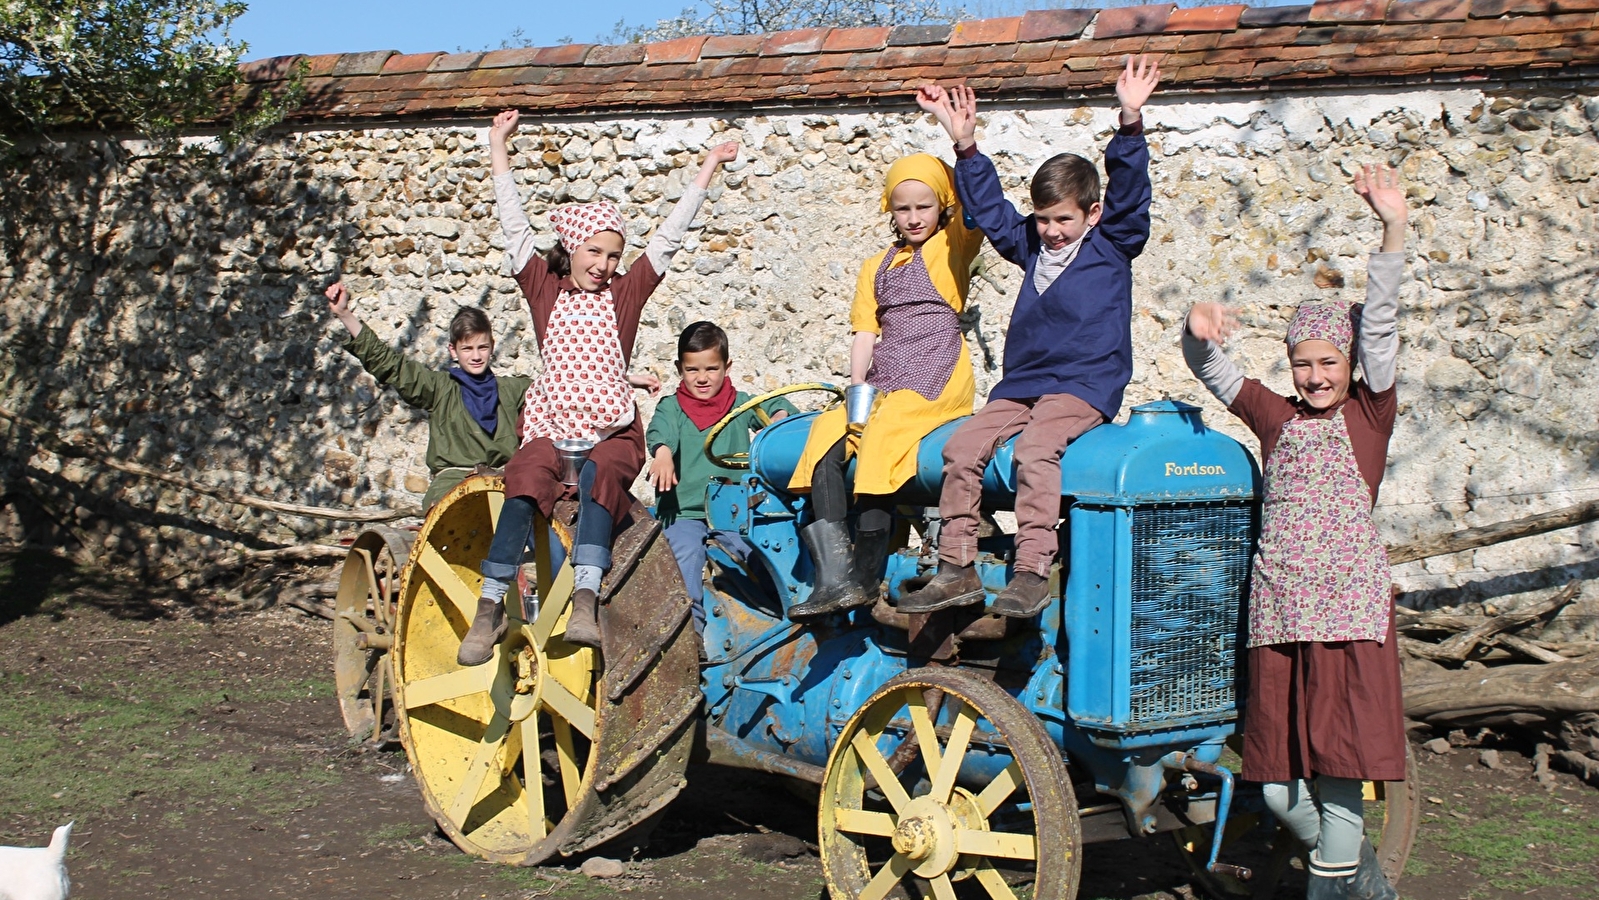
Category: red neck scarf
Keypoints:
(705, 413)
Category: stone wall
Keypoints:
(169, 311)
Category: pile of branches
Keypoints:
(1496, 670)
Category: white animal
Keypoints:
(36, 873)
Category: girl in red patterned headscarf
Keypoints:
(585, 320)
(1322, 705)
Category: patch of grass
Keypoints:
(1521, 843)
(399, 831)
(84, 749)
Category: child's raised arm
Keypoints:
(668, 238)
(339, 303)
(1128, 192)
(1378, 348)
(517, 229)
(976, 182)
(1208, 326)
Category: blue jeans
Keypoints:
(516, 527)
(687, 539)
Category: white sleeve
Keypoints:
(513, 221)
(669, 237)
(1379, 322)
(1212, 367)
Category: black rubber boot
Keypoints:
(871, 551)
(836, 587)
(488, 628)
(583, 625)
(952, 586)
(1025, 596)
(1369, 882)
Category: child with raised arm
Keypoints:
(471, 410)
(907, 345)
(679, 469)
(1323, 710)
(1068, 350)
(585, 320)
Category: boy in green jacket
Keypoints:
(679, 470)
(472, 412)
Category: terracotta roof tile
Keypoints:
(721, 45)
(841, 39)
(455, 62)
(1349, 10)
(322, 64)
(803, 40)
(682, 50)
(273, 68)
(501, 59)
(918, 35)
(1127, 20)
(1428, 10)
(1204, 18)
(1054, 24)
(1268, 16)
(615, 55)
(986, 31)
(403, 63)
(562, 55)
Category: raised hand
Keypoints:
(962, 126)
(1134, 86)
(722, 153)
(504, 124)
(1379, 186)
(1212, 322)
(339, 304)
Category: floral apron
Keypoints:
(582, 392)
(920, 340)
(1320, 571)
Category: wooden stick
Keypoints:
(1459, 646)
(1526, 648)
(1483, 536)
(57, 445)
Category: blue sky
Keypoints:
(284, 27)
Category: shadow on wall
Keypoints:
(156, 308)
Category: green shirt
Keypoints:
(673, 429)
(455, 440)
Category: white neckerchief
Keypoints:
(1053, 262)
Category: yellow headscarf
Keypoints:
(929, 170)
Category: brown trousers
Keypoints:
(1046, 425)
(535, 472)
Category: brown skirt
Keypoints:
(1324, 709)
(535, 472)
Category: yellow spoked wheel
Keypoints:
(1392, 817)
(363, 631)
(501, 750)
(930, 831)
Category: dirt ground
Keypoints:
(200, 751)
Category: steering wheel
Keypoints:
(742, 460)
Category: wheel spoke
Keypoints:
(886, 877)
(533, 778)
(866, 748)
(477, 771)
(449, 686)
(571, 772)
(996, 843)
(861, 821)
(942, 889)
(444, 578)
(954, 753)
(563, 703)
(552, 605)
(377, 698)
(993, 882)
(1003, 785)
(926, 735)
(496, 500)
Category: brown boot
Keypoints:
(583, 625)
(488, 628)
(1024, 597)
(952, 586)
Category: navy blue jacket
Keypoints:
(1077, 337)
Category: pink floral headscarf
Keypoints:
(1336, 323)
(576, 223)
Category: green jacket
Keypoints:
(456, 442)
(673, 429)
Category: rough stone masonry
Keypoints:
(168, 310)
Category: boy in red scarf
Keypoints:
(679, 469)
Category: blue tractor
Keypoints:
(957, 754)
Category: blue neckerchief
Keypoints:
(481, 394)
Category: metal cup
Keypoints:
(574, 452)
(858, 400)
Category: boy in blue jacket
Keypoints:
(1069, 348)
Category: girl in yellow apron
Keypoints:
(908, 346)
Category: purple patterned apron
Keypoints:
(921, 338)
(1321, 571)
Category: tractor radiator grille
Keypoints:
(1190, 572)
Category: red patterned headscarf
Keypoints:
(576, 223)
(1336, 323)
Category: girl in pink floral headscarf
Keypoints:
(585, 319)
(1323, 710)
